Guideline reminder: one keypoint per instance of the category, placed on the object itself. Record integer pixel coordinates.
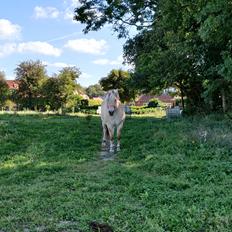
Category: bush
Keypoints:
(95, 102)
(153, 103)
(143, 110)
(9, 105)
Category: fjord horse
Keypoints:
(113, 117)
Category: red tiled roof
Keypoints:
(165, 98)
(144, 99)
(12, 84)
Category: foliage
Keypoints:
(3, 89)
(187, 45)
(153, 103)
(30, 75)
(119, 79)
(168, 176)
(121, 14)
(95, 102)
(95, 91)
(52, 94)
(10, 105)
(144, 110)
(60, 91)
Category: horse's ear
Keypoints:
(116, 93)
(106, 95)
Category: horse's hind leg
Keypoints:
(119, 128)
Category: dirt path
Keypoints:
(106, 155)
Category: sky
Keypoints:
(45, 30)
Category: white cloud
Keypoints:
(68, 14)
(46, 12)
(86, 79)
(38, 47)
(8, 30)
(72, 3)
(69, 11)
(7, 49)
(58, 64)
(90, 46)
(117, 61)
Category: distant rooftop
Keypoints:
(12, 84)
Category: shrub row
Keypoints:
(143, 109)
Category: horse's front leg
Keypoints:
(119, 128)
(105, 135)
(111, 134)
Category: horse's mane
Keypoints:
(112, 91)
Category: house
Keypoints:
(143, 100)
(12, 84)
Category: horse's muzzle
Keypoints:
(111, 113)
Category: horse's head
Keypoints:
(112, 100)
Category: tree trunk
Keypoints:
(223, 100)
(182, 98)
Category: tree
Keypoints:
(52, 94)
(59, 91)
(121, 14)
(4, 91)
(119, 79)
(186, 44)
(67, 78)
(216, 32)
(30, 75)
(171, 53)
(95, 91)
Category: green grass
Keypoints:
(171, 175)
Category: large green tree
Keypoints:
(122, 14)
(59, 91)
(183, 43)
(121, 80)
(95, 91)
(170, 53)
(30, 75)
(215, 20)
(4, 91)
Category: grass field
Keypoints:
(170, 175)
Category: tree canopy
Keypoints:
(59, 91)
(119, 79)
(185, 44)
(121, 14)
(30, 75)
(3, 88)
(95, 91)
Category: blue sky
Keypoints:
(45, 30)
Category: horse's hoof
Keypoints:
(118, 149)
(104, 144)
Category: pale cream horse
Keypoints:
(113, 117)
